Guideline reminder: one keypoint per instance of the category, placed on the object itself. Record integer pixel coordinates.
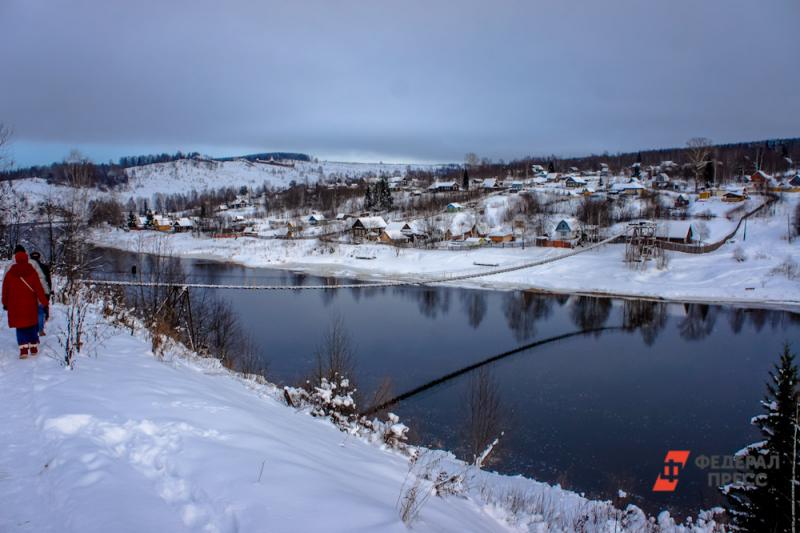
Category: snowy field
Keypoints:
(127, 442)
(759, 279)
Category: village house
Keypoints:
(760, 180)
(572, 182)
(183, 225)
(454, 207)
(368, 227)
(681, 201)
(397, 233)
(396, 183)
(734, 196)
(443, 186)
(139, 222)
(630, 188)
(501, 235)
(315, 218)
(162, 223)
(567, 229)
(241, 201)
(490, 184)
(661, 181)
(461, 227)
(678, 232)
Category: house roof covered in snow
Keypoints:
(371, 222)
(443, 185)
(676, 229)
(461, 223)
(501, 231)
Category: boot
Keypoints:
(23, 351)
(34, 349)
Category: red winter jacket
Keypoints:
(22, 292)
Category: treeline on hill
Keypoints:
(733, 161)
(266, 156)
(99, 175)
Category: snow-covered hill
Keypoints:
(186, 175)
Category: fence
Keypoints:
(714, 246)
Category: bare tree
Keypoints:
(484, 413)
(334, 355)
(5, 139)
(699, 151)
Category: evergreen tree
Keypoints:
(368, 200)
(465, 181)
(769, 505)
(384, 195)
(131, 220)
(708, 172)
(150, 219)
(551, 167)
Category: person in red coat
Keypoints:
(22, 295)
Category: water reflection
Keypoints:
(433, 300)
(698, 322)
(646, 316)
(474, 303)
(589, 312)
(523, 309)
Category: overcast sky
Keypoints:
(412, 80)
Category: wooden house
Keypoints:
(501, 235)
(573, 182)
(443, 186)
(567, 229)
(397, 233)
(678, 232)
(368, 227)
(760, 180)
(183, 225)
(733, 196)
(314, 218)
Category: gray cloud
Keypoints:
(424, 80)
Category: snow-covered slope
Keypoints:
(186, 175)
(126, 442)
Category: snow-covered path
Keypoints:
(128, 443)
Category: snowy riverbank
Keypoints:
(747, 271)
(129, 442)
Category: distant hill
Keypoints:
(266, 156)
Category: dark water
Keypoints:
(596, 413)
